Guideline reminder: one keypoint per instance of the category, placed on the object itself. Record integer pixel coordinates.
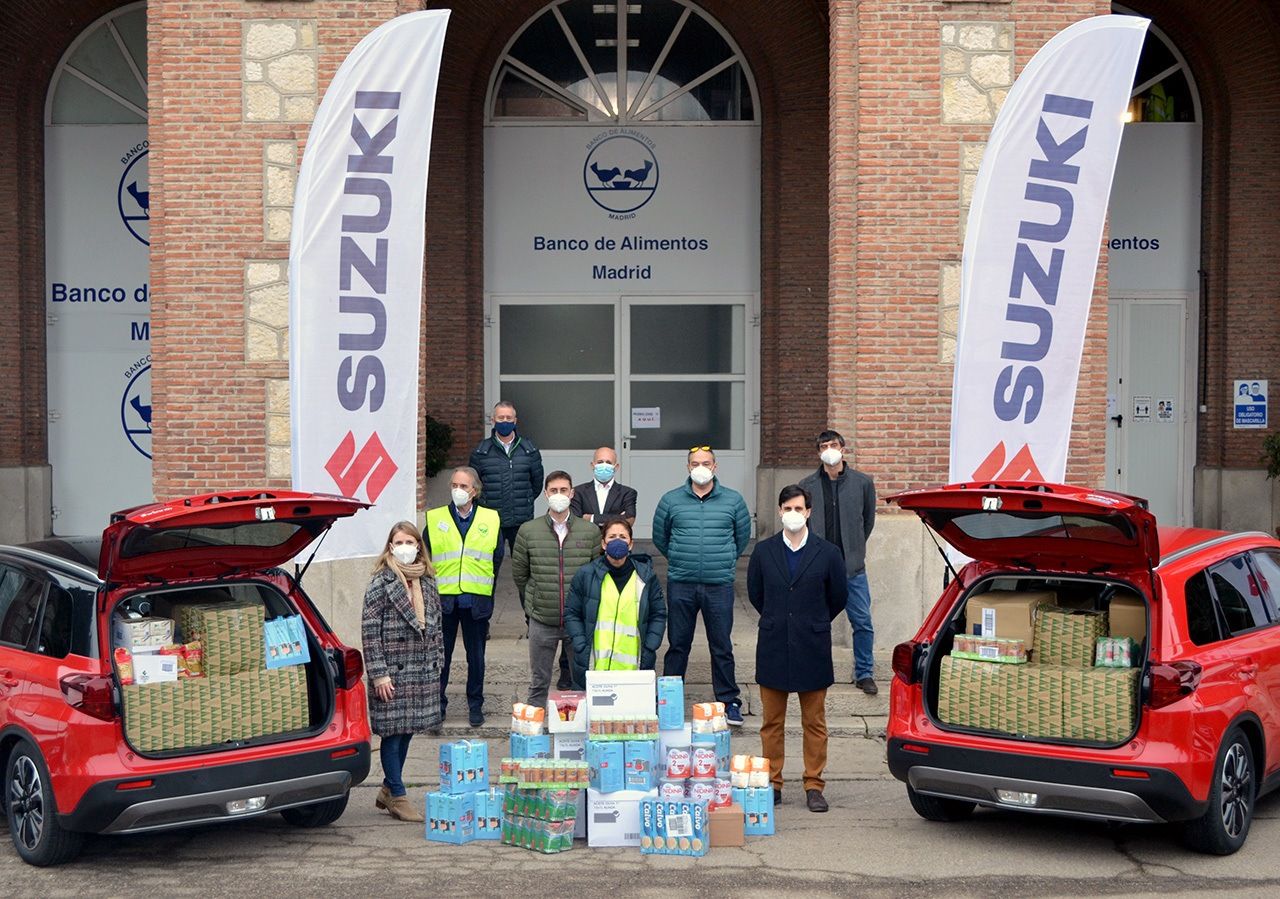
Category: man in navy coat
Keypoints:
(796, 581)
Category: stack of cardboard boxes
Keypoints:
(464, 808)
(1057, 693)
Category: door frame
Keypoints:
(1118, 348)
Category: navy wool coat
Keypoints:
(793, 648)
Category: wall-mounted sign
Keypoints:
(646, 417)
(1250, 404)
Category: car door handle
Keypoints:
(7, 678)
(1248, 668)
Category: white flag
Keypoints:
(355, 281)
(1031, 253)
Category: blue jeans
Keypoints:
(858, 608)
(393, 752)
(684, 600)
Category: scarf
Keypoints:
(411, 577)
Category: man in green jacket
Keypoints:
(702, 527)
(548, 553)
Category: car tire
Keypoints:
(32, 812)
(1224, 826)
(935, 808)
(318, 815)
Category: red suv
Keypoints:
(1141, 675)
(98, 737)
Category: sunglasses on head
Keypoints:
(699, 449)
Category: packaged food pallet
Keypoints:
(1006, 650)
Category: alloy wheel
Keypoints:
(26, 802)
(1237, 790)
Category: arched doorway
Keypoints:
(622, 241)
(1154, 310)
(97, 216)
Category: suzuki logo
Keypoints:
(1022, 467)
(349, 468)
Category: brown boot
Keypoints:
(383, 799)
(402, 810)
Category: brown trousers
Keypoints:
(813, 718)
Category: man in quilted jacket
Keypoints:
(702, 527)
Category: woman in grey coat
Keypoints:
(403, 652)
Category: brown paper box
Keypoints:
(1067, 637)
(1013, 612)
(1128, 617)
(727, 826)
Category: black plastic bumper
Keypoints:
(1062, 787)
(200, 795)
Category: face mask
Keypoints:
(505, 428)
(404, 553)
(617, 548)
(831, 456)
(558, 502)
(701, 475)
(794, 521)
(460, 497)
(604, 472)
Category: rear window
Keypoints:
(1202, 620)
(20, 598)
(144, 541)
(1009, 525)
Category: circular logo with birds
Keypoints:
(133, 198)
(620, 174)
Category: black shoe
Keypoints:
(476, 718)
(564, 683)
(814, 799)
(868, 686)
(777, 796)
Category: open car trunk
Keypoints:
(1061, 660)
(216, 666)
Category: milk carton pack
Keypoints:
(464, 766)
(524, 746)
(757, 808)
(674, 827)
(640, 757)
(670, 703)
(723, 752)
(606, 765)
(451, 817)
(488, 808)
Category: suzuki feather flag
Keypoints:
(1031, 253)
(355, 281)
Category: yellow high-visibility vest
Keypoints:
(616, 643)
(464, 566)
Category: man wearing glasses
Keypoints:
(702, 527)
(844, 512)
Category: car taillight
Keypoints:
(91, 694)
(1171, 681)
(352, 667)
(904, 661)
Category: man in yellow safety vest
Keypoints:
(465, 542)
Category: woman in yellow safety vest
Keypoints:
(615, 612)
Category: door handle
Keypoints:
(7, 678)
(1248, 668)
(1119, 420)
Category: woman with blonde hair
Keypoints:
(403, 653)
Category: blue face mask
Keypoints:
(617, 548)
(505, 428)
(604, 472)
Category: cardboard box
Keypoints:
(141, 634)
(1034, 701)
(488, 808)
(974, 694)
(727, 825)
(639, 759)
(152, 668)
(621, 693)
(569, 746)
(757, 809)
(524, 746)
(1067, 636)
(233, 633)
(464, 766)
(670, 703)
(614, 819)
(451, 817)
(1007, 613)
(606, 766)
(576, 700)
(1127, 617)
(1099, 704)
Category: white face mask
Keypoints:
(831, 456)
(460, 497)
(558, 502)
(794, 521)
(701, 475)
(404, 553)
